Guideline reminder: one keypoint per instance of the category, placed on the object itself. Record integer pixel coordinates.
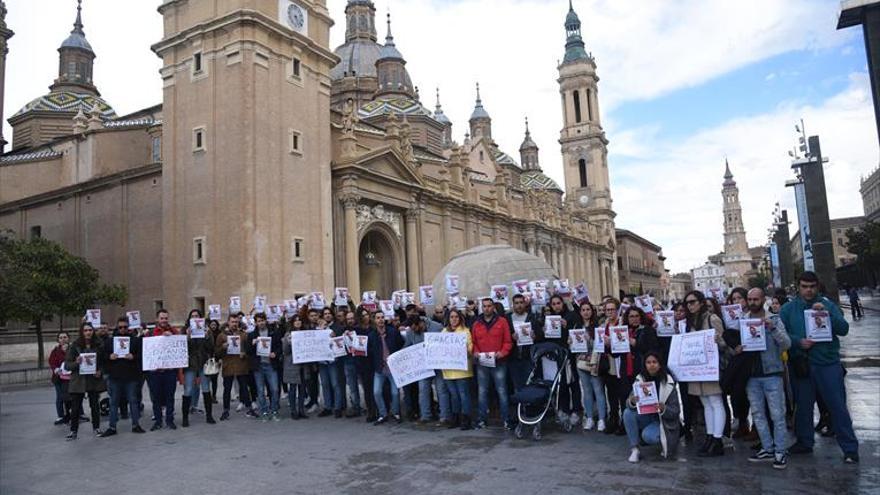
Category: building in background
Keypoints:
(839, 227)
(736, 259)
(640, 264)
(709, 276)
(680, 284)
(870, 190)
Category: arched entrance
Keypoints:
(379, 261)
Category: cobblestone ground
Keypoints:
(329, 455)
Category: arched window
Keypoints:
(582, 169)
(590, 105)
(577, 107)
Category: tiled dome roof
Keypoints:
(535, 179)
(67, 102)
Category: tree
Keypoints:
(759, 279)
(865, 244)
(39, 280)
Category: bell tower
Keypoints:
(736, 258)
(246, 150)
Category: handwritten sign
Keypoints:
(93, 317)
(578, 340)
(197, 328)
(426, 295)
(89, 363)
(234, 347)
(121, 346)
(751, 332)
(693, 357)
(165, 352)
(553, 327)
(311, 346)
(620, 339)
(818, 325)
(524, 334)
(264, 346)
(732, 314)
(665, 323)
(446, 350)
(214, 312)
(647, 401)
(234, 305)
(134, 319)
(340, 297)
(408, 365)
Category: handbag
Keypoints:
(212, 367)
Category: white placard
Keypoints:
(234, 345)
(248, 323)
(665, 323)
(599, 341)
(340, 297)
(553, 327)
(486, 359)
(577, 338)
(458, 301)
(165, 352)
(260, 304)
(197, 328)
(716, 293)
(274, 312)
(620, 339)
(358, 344)
(647, 401)
(452, 284)
(500, 295)
(121, 346)
(408, 298)
(645, 303)
(731, 314)
(134, 320)
(446, 350)
(215, 312)
(397, 298)
(818, 325)
(264, 346)
(93, 317)
(581, 294)
(290, 307)
(317, 301)
(524, 333)
(693, 357)
(368, 299)
(426, 295)
(234, 305)
(562, 287)
(89, 363)
(539, 296)
(621, 312)
(520, 286)
(751, 334)
(311, 346)
(337, 346)
(387, 308)
(408, 365)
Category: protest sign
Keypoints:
(93, 317)
(197, 328)
(337, 346)
(290, 307)
(264, 346)
(693, 357)
(387, 308)
(645, 303)
(731, 314)
(620, 339)
(486, 359)
(524, 334)
(408, 298)
(665, 323)
(562, 287)
(621, 312)
(165, 352)
(578, 340)
(408, 365)
(647, 401)
(499, 295)
(311, 346)
(88, 364)
(751, 332)
(121, 346)
(458, 301)
(340, 297)
(426, 295)
(452, 284)
(234, 305)
(358, 344)
(682, 326)
(368, 300)
(581, 294)
(716, 293)
(248, 323)
(234, 345)
(553, 327)
(818, 325)
(274, 312)
(397, 298)
(134, 319)
(317, 301)
(260, 304)
(599, 341)
(520, 286)
(446, 350)
(214, 312)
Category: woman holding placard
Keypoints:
(459, 381)
(611, 377)
(652, 409)
(737, 372)
(569, 388)
(592, 387)
(61, 378)
(701, 317)
(200, 347)
(230, 347)
(82, 361)
(295, 375)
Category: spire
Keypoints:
(389, 51)
(78, 25)
(728, 175)
(479, 111)
(528, 143)
(77, 38)
(574, 44)
(439, 116)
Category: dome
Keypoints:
(77, 40)
(68, 102)
(401, 105)
(481, 267)
(357, 58)
(535, 179)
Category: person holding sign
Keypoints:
(60, 378)
(700, 317)
(569, 386)
(162, 382)
(653, 388)
(587, 364)
(384, 341)
(491, 334)
(229, 347)
(614, 383)
(458, 382)
(264, 364)
(734, 380)
(122, 355)
(520, 362)
(765, 388)
(84, 360)
(815, 368)
(295, 375)
(200, 347)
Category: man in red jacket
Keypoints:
(492, 345)
(162, 383)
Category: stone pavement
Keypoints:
(326, 455)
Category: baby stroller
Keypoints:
(542, 388)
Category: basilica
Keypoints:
(276, 165)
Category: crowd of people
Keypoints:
(758, 392)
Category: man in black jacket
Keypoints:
(384, 340)
(264, 364)
(124, 375)
(520, 361)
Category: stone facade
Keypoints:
(276, 166)
(640, 265)
(870, 191)
(839, 227)
(709, 276)
(736, 258)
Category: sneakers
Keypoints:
(264, 417)
(109, 432)
(761, 456)
(60, 421)
(799, 448)
(634, 455)
(252, 414)
(137, 429)
(71, 436)
(381, 420)
(275, 417)
(780, 461)
(601, 425)
(156, 427)
(98, 432)
(398, 419)
(239, 407)
(588, 424)
(851, 459)
(574, 418)
(224, 416)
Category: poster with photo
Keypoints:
(408, 298)
(88, 364)
(397, 299)
(274, 312)
(577, 338)
(562, 287)
(647, 400)
(645, 303)
(340, 296)
(486, 359)
(620, 339)
(520, 286)
(553, 327)
(599, 341)
(121, 346)
(452, 284)
(134, 320)
(731, 314)
(581, 294)
(337, 345)
(387, 308)
(93, 317)
(524, 333)
(818, 325)
(752, 335)
(317, 301)
(621, 312)
(248, 323)
(234, 305)
(368, 300)
(197, 328)
(264, 346)
(291, 307)
(234, 345)
(716, 293)
(500, 295)
(426, 295)
(665, 323)
(215, 312)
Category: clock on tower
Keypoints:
(293, 15)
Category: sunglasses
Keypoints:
(692, 301)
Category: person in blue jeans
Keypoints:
(349, 367)
(330, 372)
(765, 388)
(265, 367)
(124, 377)
(491, 337)
(815, 367)
(384, 340)
(660, 427)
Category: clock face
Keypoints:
(584, 200)
(295, 16)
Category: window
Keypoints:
(577, 107)
(199, 139)
(297, 249)
(157, 305)
(156, 150)
(582, 169)
(590, 105)
(197, 63)
(296, 68)
(36, 232)
(295, 144)
(620, 263)
(199, 304)
(199, 251)
(481, 156)
(839, 240)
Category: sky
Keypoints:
(684, 85)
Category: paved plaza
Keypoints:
(326, 455)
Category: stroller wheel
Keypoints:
(567, 426)
(518, 431)
(536, 432)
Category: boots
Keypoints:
(209, 408)
(707, 442)
(465, 422)
(186, 403)
(715, 449)
(454, 422)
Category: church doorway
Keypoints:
(378, 262)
